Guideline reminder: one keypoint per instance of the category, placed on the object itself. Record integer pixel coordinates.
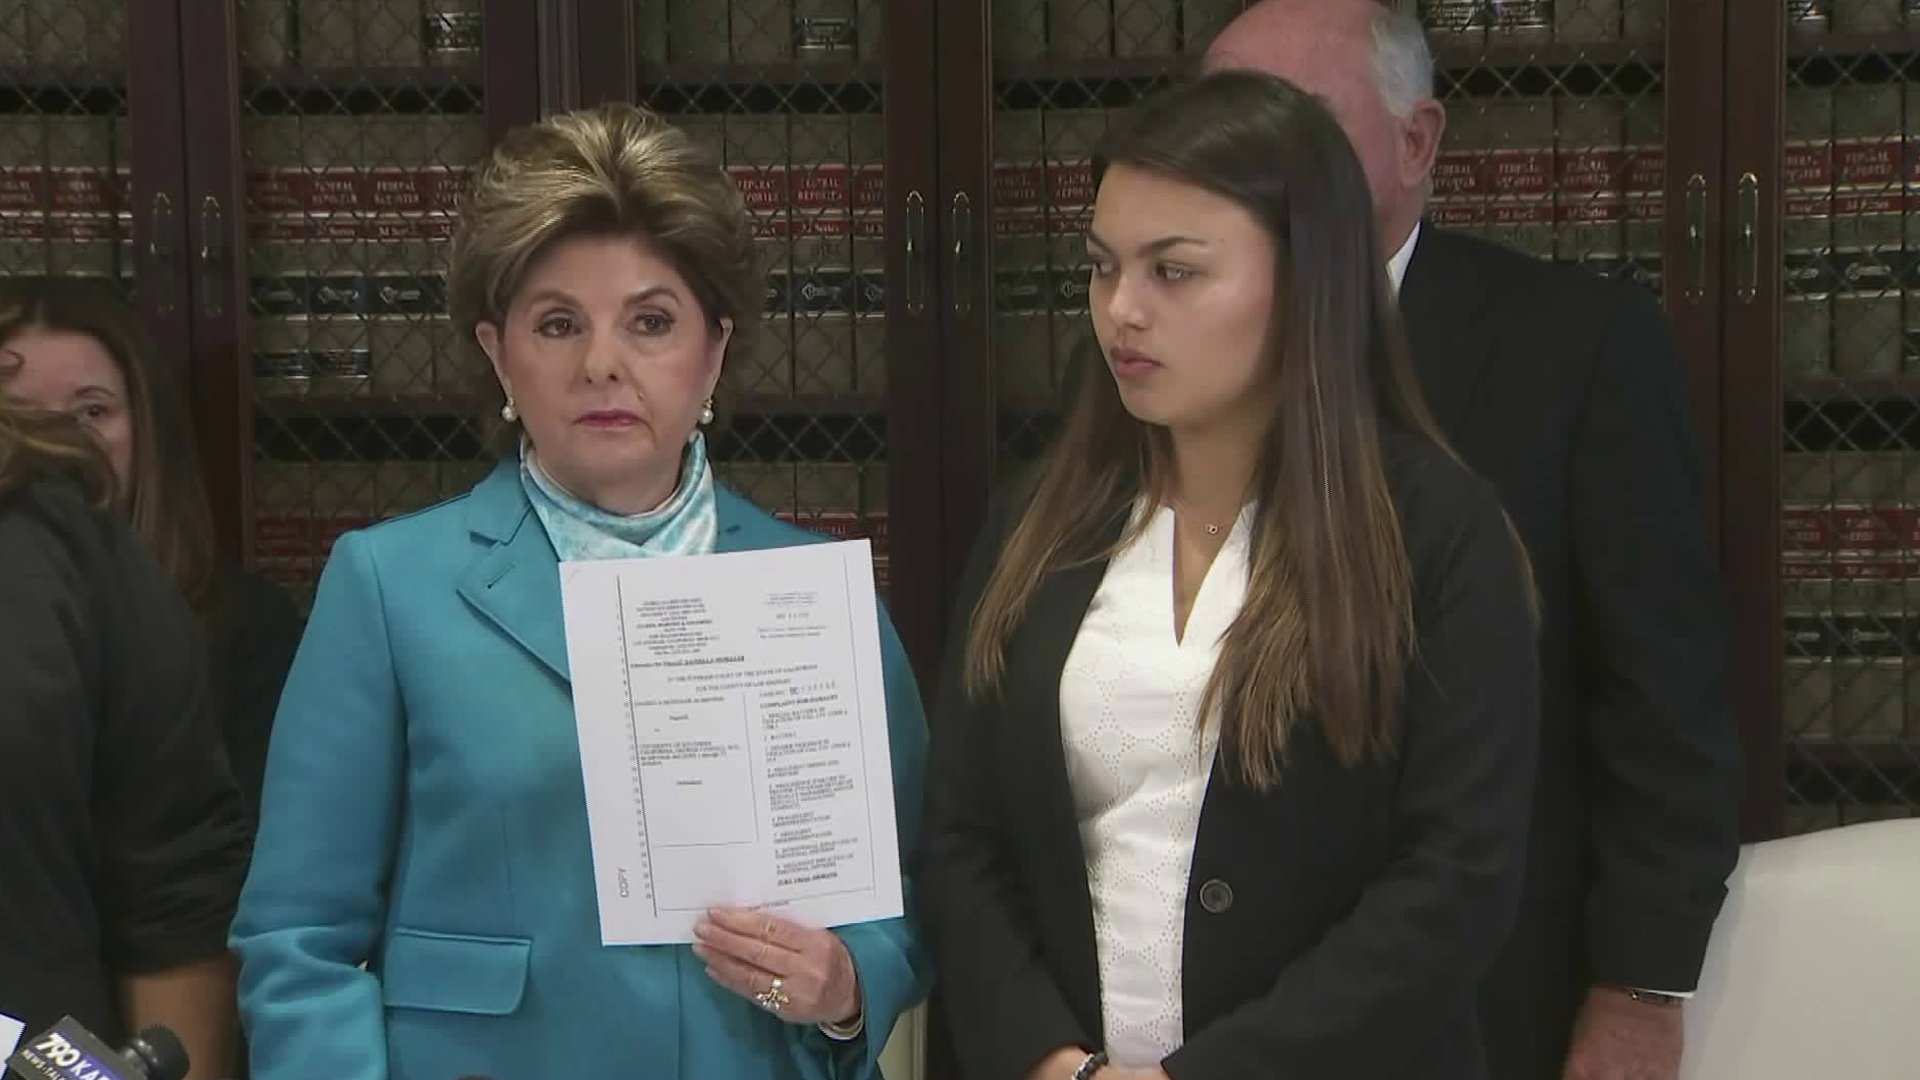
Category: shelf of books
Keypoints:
(359, 120)
(65, 155)
(789, 94)
(1554, 145)
(1850, 475)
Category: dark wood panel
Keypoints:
(560, 50)
(510, 60)
(965, 120)
(1696, 213)
(606, 62)
(157, 125)
(1750, 398)
(916, 354)
(211, 91)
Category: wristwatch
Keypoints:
(1655, 997)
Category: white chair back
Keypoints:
(1813, 969)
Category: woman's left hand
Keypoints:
(802, 976)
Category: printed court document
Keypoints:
(733, 737)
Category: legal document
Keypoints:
(733, 737)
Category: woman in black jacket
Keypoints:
(123, 838)
(71, 346)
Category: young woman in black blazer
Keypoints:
(1233, 752)
(123, 838)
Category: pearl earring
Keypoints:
(706, 412)
(508, 412)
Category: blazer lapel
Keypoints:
(1441, 303)
(1036, 657)
(515, 583)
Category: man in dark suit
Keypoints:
(1561, 388)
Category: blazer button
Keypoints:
(1216, 896)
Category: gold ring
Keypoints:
(774, 997)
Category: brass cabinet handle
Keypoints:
(962, 228)
(160, 248)
(1696, 238)
(212, 257)
(1749, 192)
(916, 253)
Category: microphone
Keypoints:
(68, 1051)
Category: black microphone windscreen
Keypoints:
(159, 1050)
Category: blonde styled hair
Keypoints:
(612, 170)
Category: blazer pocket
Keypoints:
(458, 973)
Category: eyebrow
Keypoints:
(1151, 247)
(639, 297)
(94, 392)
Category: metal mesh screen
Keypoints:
(65, 176)
(360, 119)
(789, 93)
(1554, 146)
(1850, 474)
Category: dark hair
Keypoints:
(39, 445)
(165, 497)
(1328, 619)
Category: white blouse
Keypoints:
(1129, 695)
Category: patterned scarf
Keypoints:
(688, 523)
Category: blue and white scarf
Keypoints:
(688, 523)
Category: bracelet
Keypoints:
(1094, 1063)
(848, 1031)
(1655, 997)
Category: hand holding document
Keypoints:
(733, 737)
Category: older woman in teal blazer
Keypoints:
(421, 903)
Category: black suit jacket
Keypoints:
(123, 839)
(1562, 390)
(1336, 923)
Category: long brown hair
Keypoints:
(165, 497)
(1327, 624)
(39, 445)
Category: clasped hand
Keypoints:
(801, 975)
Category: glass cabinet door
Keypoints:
(66, 153)
(1849, 480)
(359, 121)
(791, 95)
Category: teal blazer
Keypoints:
(424, 816)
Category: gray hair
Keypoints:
(1402, 65)
(1402, 61)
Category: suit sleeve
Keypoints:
(1003, 1006)
(1423, 933)
(315, 900)
(1648, 612)
(172, 828)
(889, 956)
